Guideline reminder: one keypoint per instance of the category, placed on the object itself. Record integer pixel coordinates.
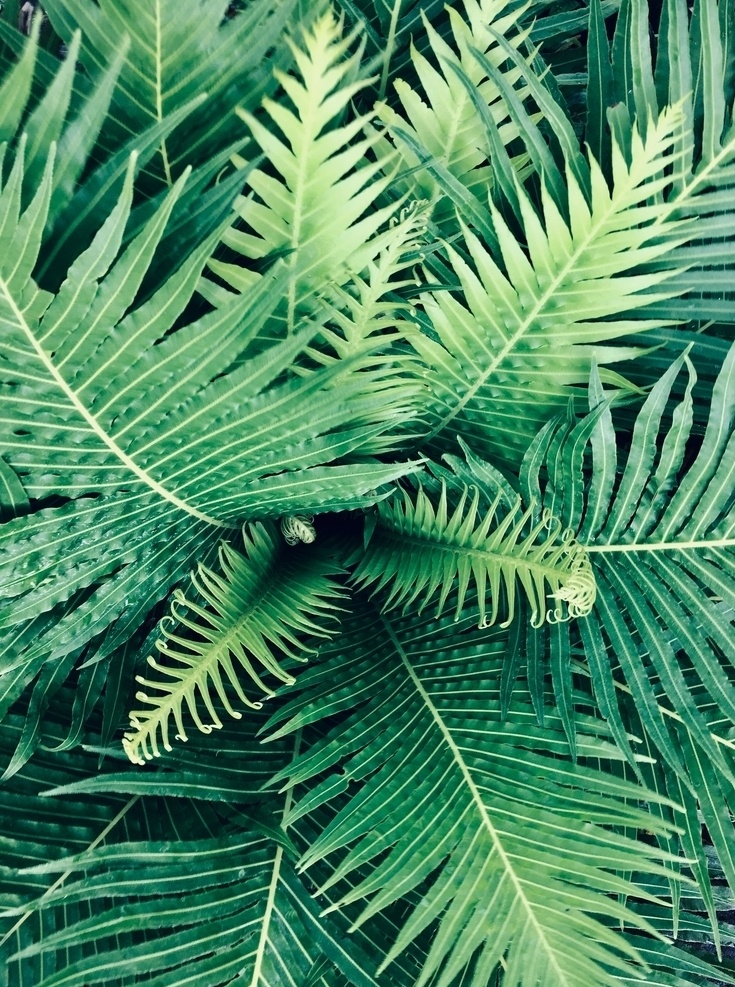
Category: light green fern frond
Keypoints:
(372, 306)
(417, 549)
(527, 323)
(317, 207)
(243, 622)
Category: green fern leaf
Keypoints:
(150, 437)
(318, 207)
(433, 790)
(154, 886)
(694, 71)
(447, 125)
(519, 337)
(176, 53)
(251, 617)
(659, 530)
(417, 550)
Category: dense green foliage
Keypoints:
(371, 366)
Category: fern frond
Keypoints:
(525, 326)
(372, 307)
(242, 622)
(165, 889)
(416, 550)
(694, 71)
(446, 124)
(659, 529)
(62, 120)
(319, 207)
(175, 53)
(155, 440)
(433, 790)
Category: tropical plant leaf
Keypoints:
(242, 621)
(447, 799)
(317, 209)
(223, 878)
(456, 125)
(176, 53)
(525, 333)
(121, 414)
(57, 104)
(50, 121)
(659, 532)
(417, 549)
(694, 70)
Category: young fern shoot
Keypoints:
(253, 620)
(416, 550)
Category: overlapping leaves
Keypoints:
(147, 448)
(444, 795)
(175, 53)
(525, 326)
(320, 208)
(659, 532)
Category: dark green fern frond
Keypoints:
(176, 53)
(416, 550)
(240, 623)
(432, 789)
(659, 527)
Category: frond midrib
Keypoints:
(93, 424)
(477, 800)
(271, 901)
(664, 546)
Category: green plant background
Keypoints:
(367, 501)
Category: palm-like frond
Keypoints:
(417, 549)
(59, 104)
(218, 908)
(448, 800)
(224, 878)
(52, 120)
(694, 69)
(521, 334)
(242, 621)
(318, 206)
(659, 529)
(155, 449)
